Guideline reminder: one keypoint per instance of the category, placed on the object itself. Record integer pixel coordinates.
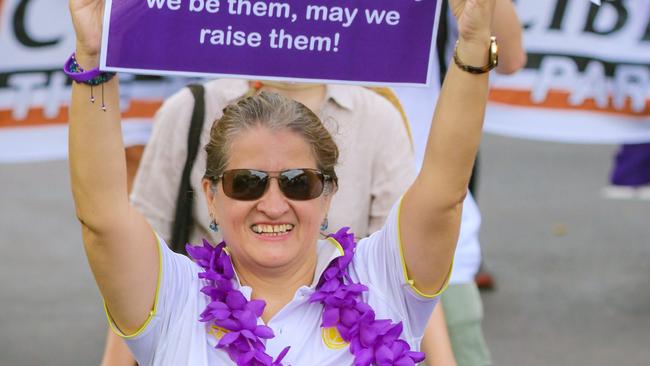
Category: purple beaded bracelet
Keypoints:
(91, 77)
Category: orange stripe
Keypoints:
(36, 116)
(559, 99)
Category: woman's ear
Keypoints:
(209, 191)
(330, 188)
(328, 193)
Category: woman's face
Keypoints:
(240, 222)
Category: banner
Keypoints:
(587, 79)
(360, 41)
(36, 37)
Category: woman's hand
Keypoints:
(474, 18)
(87, 17)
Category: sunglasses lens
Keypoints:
(244, 184)
(301, 184)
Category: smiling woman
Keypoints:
(242, 142)
(273, 292)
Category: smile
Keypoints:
(271, 229)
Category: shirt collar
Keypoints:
(327, 250)
(341, 95)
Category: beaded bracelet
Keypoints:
(91, 77)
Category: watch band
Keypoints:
(493, 59)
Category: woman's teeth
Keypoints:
(271, 229)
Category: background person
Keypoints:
(630, 175)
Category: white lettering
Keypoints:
(345, 16)
(375, 16)
(627, 88)
(24, 84)
(554, 73)
(171, 4)
(259, 8)
(211, 6)
(392, 18)
(219, 37)
(592, 85)
(282, 39)
(57, 93)
(633, 82)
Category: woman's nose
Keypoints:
(273, 203)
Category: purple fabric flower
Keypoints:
(372, 341)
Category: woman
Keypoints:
(268, 192)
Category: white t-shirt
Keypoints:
(174, 336)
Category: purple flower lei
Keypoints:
(372, 341)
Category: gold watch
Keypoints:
(493, 59)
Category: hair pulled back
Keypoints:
(275, 112)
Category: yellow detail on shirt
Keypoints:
(336, 244)
(152, 313)
(218, 332)
(332, 338)
(408, 280)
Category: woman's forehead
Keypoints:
(271, 150)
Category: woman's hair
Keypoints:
(275, 112)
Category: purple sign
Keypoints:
(359, 41)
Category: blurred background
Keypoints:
(566, 217)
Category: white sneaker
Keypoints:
(644, 193)
(618, 192)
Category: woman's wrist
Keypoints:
(87, 60)
(474, 52)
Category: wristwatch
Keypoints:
(493, 59)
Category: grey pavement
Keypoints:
(572, 269)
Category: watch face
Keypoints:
(494, 52)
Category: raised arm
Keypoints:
(120, 246)
(431, 209)
(507, 28)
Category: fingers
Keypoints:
(475, 21)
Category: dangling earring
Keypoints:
(214, 226)
(324, 225)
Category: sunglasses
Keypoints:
(295, 184)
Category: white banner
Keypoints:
(36, 38)
(587, 79)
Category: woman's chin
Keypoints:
(275, 250)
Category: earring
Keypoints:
(214, 226)
(324, 225)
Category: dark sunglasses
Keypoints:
(295, 184)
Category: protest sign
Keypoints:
(587, 79)
(360, 41)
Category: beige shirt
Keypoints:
(376, 162)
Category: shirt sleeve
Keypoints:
(176, 291)
(380, 265)
(155, 188)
